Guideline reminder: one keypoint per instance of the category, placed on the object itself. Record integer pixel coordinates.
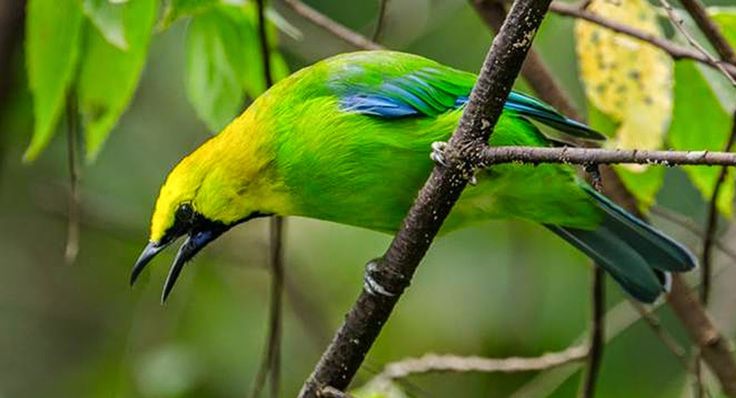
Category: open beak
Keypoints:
(195, 241)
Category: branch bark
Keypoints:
(534, 71)
(591, 156)
(700, 15)
(324, 22)
(433, 363)
(387, 277)
(674, 50)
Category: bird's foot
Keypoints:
(438, 156)
(438, 153)
(370, 283)
(594, 172)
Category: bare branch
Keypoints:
(674, 50)
(387, 277)
(700, 15)
(271, 364)
(319, 19)
(712, 223)
(435, 363)
(534, 70)
(380, 20)
(690, 226)
(586, 156)
(597, 336)
(715, 349)
(662, 334)
(680, 26)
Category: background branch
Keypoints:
(679, 24)
(700, 15)
(380, 19)
(674, 50)
(271, 363)
(394, 270)
(432, 363)
(340, 31)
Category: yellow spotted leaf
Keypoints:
(628, 81)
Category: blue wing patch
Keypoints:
(427, 92)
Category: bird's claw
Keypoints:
(438, 153)
(371, 285)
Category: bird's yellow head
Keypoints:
(229, 179)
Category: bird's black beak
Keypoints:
(199, 230)
(196, 239)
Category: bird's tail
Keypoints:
(635, 254)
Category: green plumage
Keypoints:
(348, 140)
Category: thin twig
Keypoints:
(674, 50)
(586, 156)
(679, 24)
(271, 363)
(72, 129)
(700, 15)
(706, 259)
(597, 336)
(669, 341)
(387, 277)
(331, 26)
(435, 363)
(380, 20)
(689, 225)
(712, 223)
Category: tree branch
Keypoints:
(72, 139)
(700, 15)
(434, 363)
(674, 50)
(534, 70)
(387, 277)
(340, 31)
(680, 26)
(489, 156)
(382, 4)
(271, 363)
(712, 222)
(597, 334)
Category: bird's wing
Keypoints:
(394, 85)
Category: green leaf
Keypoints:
(107, 17)
(108, 75)
(182, 8)
(214, 58)
(725, 18)
(52, 49)
(224, 63)
(700, 122)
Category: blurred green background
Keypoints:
(498, 289)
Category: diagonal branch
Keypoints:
(674, 50)
(679, 24)
(389, 276)
(353, 38)
(700, 15)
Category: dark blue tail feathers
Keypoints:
(635, 254)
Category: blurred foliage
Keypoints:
(184, 68)
(628, 84)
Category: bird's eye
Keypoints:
(184, 213)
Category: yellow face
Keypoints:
(226, 180)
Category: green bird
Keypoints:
(348, 140)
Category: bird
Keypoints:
(348, 140)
